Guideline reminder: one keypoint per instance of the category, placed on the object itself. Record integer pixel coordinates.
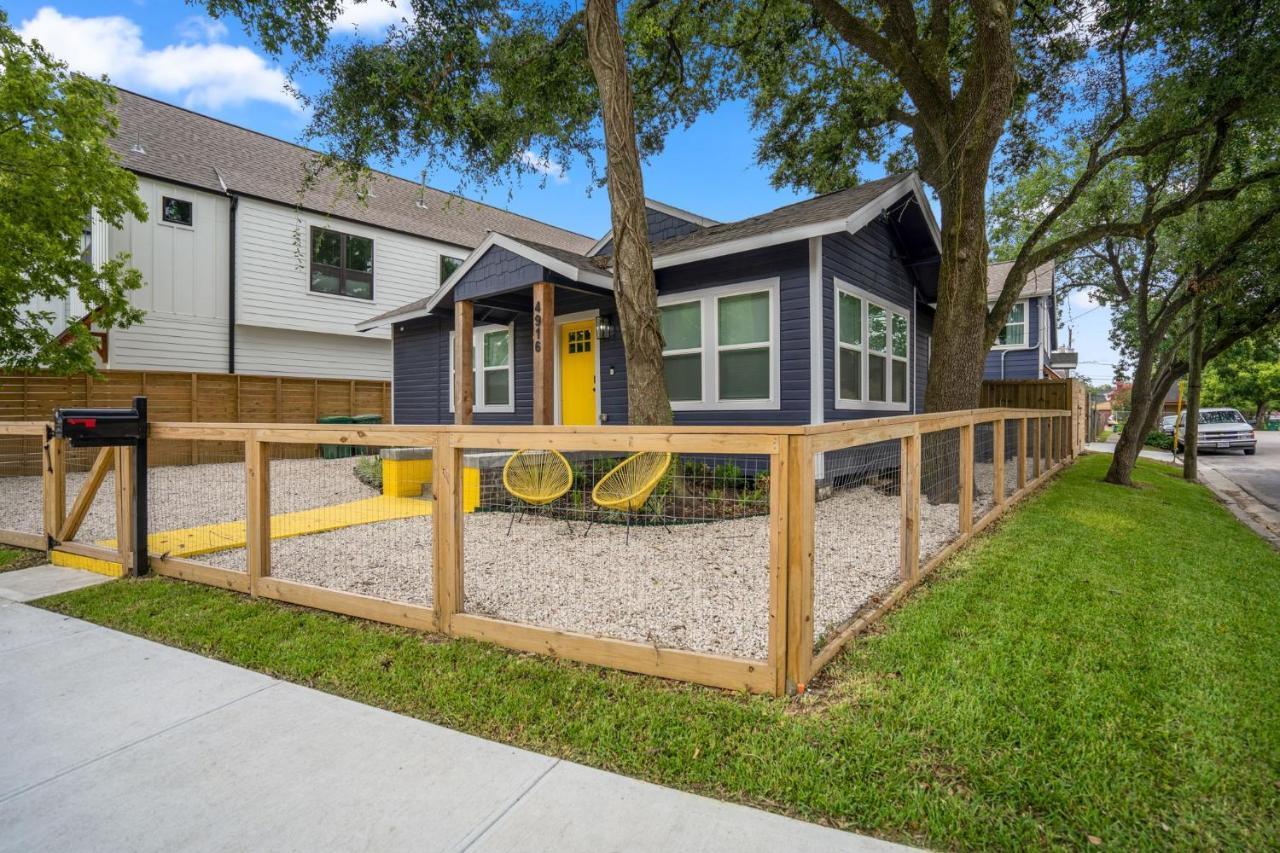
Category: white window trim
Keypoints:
(844, 403)
(711, 348)
(1026, 328)
(477, 339)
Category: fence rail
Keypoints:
(753, 557)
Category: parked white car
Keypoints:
(1221, 429)
(1166, 424)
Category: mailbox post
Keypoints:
(115, 428)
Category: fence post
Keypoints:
(1022, 453)
(447, 559)
(966, 477)
(257, 481)
(124, 509)
(782, 517)
(997, 460)
(1038, 458)
(54, 481)
(801, 493)
(909, 529)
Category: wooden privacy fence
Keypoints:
(1059, 394)
(758, 555)
(184, 397)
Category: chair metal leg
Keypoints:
(628, 539)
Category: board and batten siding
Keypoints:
(184, 291)
(273, 250)
(868, 261)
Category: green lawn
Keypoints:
(20, 558)
(1104, 664)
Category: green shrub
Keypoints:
(1159, 440)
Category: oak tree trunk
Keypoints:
(1144, 408)
(635, 293)
(1190, 449)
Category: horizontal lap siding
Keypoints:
(923, 341)
(1022, 363)
(868, 261)
(790, 264)
(421, 384)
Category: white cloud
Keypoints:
(1083, 299)
(200, 72)
(369, 15)
(199, 28)
(544, 166)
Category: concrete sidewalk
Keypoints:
(112, 742)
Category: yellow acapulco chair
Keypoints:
(628, 486)
(536, 478)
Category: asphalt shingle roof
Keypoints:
(1039, 281)
(823, 208)
(189, 148)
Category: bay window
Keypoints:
(872, 351)
(720, 347)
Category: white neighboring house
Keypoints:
(245, 272)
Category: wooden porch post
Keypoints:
(464, 389)
(544, 347)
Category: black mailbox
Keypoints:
(115, 428)
(100, 427)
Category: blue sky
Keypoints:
(171, 51)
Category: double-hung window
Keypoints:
(491, 360)
(720, 347)
(341, 264)
(873, 350)
(1014, 333)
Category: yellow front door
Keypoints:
(578, 372)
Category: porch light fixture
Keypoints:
(606, 328)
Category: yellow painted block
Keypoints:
(470, 489)
(404, 478)
(89, 564)
(192, 541)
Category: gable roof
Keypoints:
(1039, 281)
(843, 211)
(571, 265)
(822, 214)
(188, 148)
(660, 207)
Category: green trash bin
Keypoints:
(336, 451)
(365, 419)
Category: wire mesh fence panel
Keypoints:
(98, 526)
(939, 491)
(21, 484)
(196, 510)
(1031, 449)
(857, 529)
(1010, 457)
(1046, 444)
(984, 470)
(355, 520)
(670, 550)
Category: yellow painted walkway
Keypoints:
(191, 541)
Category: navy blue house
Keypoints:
(816, 311)
(1030, 335)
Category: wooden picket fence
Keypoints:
(1038, 443)
(1069, 394)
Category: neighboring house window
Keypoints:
(873, 348)
(447, 266)
(341, 264)
(493, 379)
(175, 210)
(720, 347)
(682, 350)
(1014, 333)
